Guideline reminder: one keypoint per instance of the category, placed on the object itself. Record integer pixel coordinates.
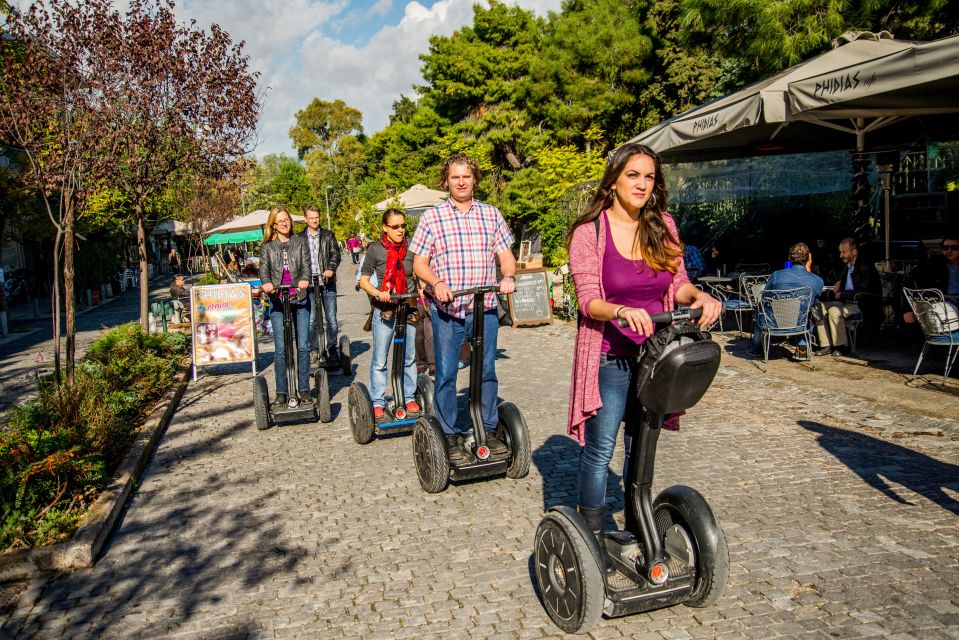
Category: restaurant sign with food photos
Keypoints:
(223, 329)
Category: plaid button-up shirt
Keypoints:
(461, 248)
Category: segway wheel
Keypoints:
(692, 533)
(322, 386)
(361, 413)
(346, 362)
(570, 581)
(513, 431)
(261, 403)
(424, 387)
(429, 454)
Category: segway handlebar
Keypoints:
(492, 288)
(665, 317)
(396, 297)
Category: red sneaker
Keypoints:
(378, 413)
(413, 407)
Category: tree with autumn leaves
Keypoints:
(134, 101)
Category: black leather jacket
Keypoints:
(271, 261)
(328, 255)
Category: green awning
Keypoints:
(235, 236)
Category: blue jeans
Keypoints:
(448, 336)
(382, 345)
(301, 321)
(615, 390)
(329, 315)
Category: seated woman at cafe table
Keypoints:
(796, 276)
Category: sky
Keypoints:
(364, 52)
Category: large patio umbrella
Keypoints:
(916, 88)
(415, 200)
(234, 237)
(255, 221)
(171, 226)
(762, 119)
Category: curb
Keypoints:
(82, 549)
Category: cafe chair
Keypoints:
(782, 313)
(940, 324)
(745, 300)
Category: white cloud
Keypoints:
(381, 8)
(372, 76)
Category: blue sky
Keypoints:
(364, 52)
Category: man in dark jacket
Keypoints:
(858, 294)
(324, 259)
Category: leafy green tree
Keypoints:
(771, 36)
(596, 58)
(279, 180)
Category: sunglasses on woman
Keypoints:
(395, 227)
(950, 247)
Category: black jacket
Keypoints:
(328, 255)
(271, 261)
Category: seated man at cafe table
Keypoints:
(941, 271)
(798, 275)
(858, 293)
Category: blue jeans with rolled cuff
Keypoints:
(383, 336)
(616, 380)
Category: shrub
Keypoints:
(60, 450)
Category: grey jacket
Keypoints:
(271, 261)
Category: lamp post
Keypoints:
(326, 196)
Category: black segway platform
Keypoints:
(396, 421)
(673, 550)
(507, 451)
(298, 408)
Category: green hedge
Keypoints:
(60, 450)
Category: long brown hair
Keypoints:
(661, 251)
(271, 220)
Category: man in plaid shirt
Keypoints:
(455, 247)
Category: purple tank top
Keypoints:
(632, 283)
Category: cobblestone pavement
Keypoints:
(841, 518)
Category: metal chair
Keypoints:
(939, 322)
(782, 313)
(745, 299)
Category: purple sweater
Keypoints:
(586, 265)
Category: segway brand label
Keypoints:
(222, 323)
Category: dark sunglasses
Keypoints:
(395, 227)
(950, 247)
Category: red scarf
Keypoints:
(394, 277)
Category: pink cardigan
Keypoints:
(586, 266)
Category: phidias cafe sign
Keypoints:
(839, 83)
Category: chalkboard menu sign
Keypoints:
(529, 304)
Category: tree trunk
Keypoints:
(144, 269)
(55, 305)
(4, 320)
(69, 295)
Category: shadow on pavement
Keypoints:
(177, 567)
(879, 463)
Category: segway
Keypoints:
(673, 550)
(297, 408)
(397, 420)
(507, 451)
(346, 363)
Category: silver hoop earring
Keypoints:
(652, 201)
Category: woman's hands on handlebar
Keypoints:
(712, 308)
(267, 287)
(384, 296)
(636, 319)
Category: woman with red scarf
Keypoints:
(393, 266)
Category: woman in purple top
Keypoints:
(285, 263)
(626, 260)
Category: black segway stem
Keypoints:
(480, 448)
(399, 356)
(292, 381)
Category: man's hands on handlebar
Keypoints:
(507, 285)
(443, 292)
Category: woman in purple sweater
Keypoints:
(626, 260)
